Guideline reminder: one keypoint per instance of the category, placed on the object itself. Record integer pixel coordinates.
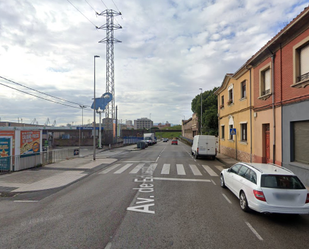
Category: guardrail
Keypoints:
(186, 140)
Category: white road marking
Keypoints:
(26, 201)
(151, 168)
(165, 169)
(209, 170)
(137, 168)
(109, 169)
(108, 246)
(220, 168)
(180, 179)
(227, 198)
(180, 169)
(213, 182)
(119, 171)
(254, 231)
(195, 170)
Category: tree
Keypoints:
(209, 109)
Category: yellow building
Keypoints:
(235, 103)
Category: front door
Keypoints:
(267, 143)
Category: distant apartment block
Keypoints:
(143, 123)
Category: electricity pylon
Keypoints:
(110, 40)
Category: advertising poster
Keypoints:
(9, 134)
(5, 153)
(29, 142)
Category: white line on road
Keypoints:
(151, 168)
(119, 171)
(227, 198)
(165, 169)
(26, 201)
(137, 168)
(254, 231)
(213, 182)
(180, 179)
(109, 169)
(220, 168)
(209, 170)
(180, 169)
(195, 170)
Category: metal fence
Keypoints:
(131, 140)
(20, 162)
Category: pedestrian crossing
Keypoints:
(163, 169)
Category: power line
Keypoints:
(82, 13)
(115, 5)
(104, 4)
(39, 91)
(91, 6)
(38, 96)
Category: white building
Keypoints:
(143, 123)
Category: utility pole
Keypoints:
(110, 40)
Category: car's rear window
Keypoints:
(281, 181)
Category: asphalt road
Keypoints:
(159, 197)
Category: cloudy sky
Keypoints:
(169, 50)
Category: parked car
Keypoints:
(142, 144)
(174, 141)
(204, 145)
(266, 188)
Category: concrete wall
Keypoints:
(292, 113)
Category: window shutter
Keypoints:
(304, 60)
(301, 142)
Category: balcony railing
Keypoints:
(303, 77)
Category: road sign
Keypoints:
(103, 101)
(233, 131)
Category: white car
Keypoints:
(266, 188)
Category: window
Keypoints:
(222, 102)
(230, 101)
(281, 181)
(243, 89)
(235, 168)
(265, 81)
(251, 176)
(304, 63)
(222, 131)
(231, 136)
(243, 132)
(301, 63)
(242, 171)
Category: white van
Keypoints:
(204, 145)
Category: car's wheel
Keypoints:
(222, 183)
(243, 202)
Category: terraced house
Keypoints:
(234, 102)
(278, 112)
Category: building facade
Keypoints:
(143, 123)
(278, 111)
(235, 115)
(190, 127)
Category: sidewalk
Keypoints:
(65, 172)
(57, 174)
(227, 161)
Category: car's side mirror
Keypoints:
(229, 170)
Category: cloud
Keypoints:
(169, 50)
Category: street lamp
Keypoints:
(201, 109)
(81, 106)
(96, 56)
